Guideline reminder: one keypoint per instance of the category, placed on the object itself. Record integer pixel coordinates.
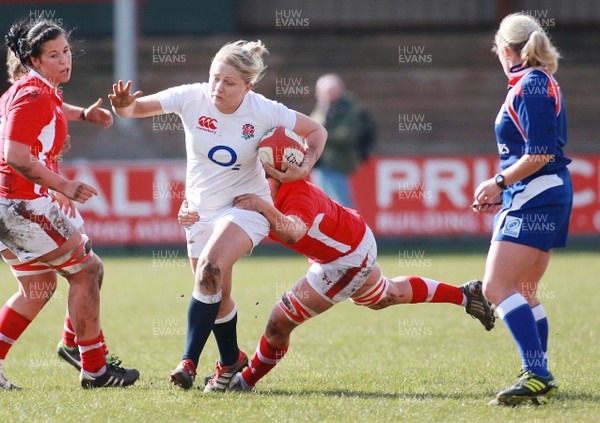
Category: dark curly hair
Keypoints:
(26, 37)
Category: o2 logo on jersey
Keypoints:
(207, 124)
(223, 156)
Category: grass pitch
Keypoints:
(425, 362)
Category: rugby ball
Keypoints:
(280, 146)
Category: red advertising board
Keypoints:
(137, 203)
(416, 196)
(422, 195)
(431, 195)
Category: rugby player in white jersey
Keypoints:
(223, 121)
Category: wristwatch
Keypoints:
(499, 179)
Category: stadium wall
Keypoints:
(93, 18)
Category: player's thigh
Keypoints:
(295, 307)
(227, 245)
(36, 280)
(193, 264)
(507, 264)
(234, 235)
(38, 287)
(309, 297)
(7, 254)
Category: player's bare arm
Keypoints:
(488, 193)
(315, 136)
(526, 166)
(19, 157)
(127, 105)
(289, 229)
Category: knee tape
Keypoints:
(29, 268)
(373, 295)
(75, 260)
(293, 309)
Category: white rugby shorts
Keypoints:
(32, 228)
(339, 279)
(251, 222)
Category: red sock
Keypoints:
(430, 291)
(12, 325)
(263, 360)
(68, 335)
(76, 341)
(92, 354)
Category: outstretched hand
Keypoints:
(95, 114)
(121, 96)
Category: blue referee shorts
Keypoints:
(536, 213)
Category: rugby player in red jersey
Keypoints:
(32, 133)
(46, 278)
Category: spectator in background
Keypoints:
(349, 141)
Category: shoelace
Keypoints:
(114, 363)
(220, 369)
(113, 359)
(189, 368)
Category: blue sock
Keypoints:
(541, 321)
(201, 317)
(518, 317)
(226, 335)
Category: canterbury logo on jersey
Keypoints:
(207, 124)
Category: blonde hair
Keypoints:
(524, 35)
(14, 67)
(246, 57)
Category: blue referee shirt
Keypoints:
(532, 120)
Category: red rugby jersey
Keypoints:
(334, 231)
(31, 113)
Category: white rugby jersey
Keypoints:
(222, 150)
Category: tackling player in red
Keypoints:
(343, 251)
